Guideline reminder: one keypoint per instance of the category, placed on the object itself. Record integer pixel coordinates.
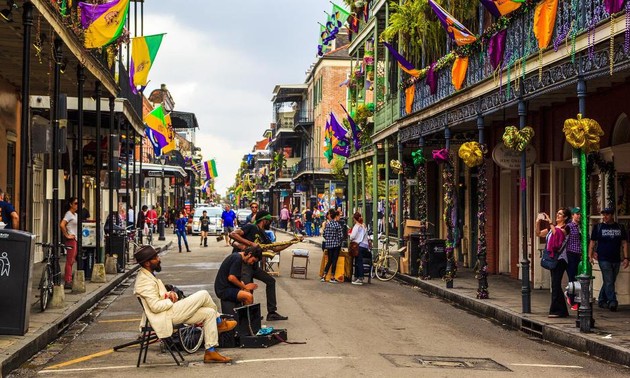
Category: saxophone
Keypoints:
(287, 243)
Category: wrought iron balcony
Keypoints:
(312, 165)
(303, 117)
(387, 114)
(126, 91)
(520, 41)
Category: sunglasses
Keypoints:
(254, 207)
(75, 203)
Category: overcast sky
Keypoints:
(221, 61)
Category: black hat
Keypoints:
(607, 210)
(144, 254)
(262, 215)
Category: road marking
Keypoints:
(120, 320)
(550, 366)
(289, 359)
(81, 359)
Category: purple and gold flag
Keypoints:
(402, 62)
(500, 8)
(103, 23)
(356, 133)
(454, 28)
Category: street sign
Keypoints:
(154, 173)
(511, 159)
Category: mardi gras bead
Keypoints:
(418, 157)
(396, 166)
(516, 139)
(440, 156)
(471, 154)
(583, 133)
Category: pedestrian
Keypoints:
(228, 284)
(164, 309)
(359, 235)
(68, 227)
(610, 237)
(151, 218)
(284, 217)
(333, 236)
(8, 215)
(228, 216)
(173, 216)
(574, 252)
(250, 236)
(316, 221)
(555, 235)
(251, 218)
(308, 221)
(85, 213)
(204, 226)
(131, 216)
(180, 230)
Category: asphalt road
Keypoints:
(382, 329)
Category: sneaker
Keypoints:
(323, 279)
(273, 316)
(575, 307)
(612, 306)
(67, 286)
(333, 281)
(358, 281)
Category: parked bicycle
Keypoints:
(385, 265)
(50, 273)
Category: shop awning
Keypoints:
(155, 170)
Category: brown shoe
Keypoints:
(226, 325)
(215, 357)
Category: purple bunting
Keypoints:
(491, 7)
(613, 6)
(496, 48)
(356, 133)
(432, 79)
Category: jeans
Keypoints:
(333, 256)
(609, 275)
(182, 235)
(316, 224)
(283, 224)
(364, 253)
(558, 305)
(308, 226)
(71, 256)
(249, 272)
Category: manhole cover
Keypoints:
(403, 360)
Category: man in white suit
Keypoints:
(163, 309)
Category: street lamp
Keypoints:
(292, 186)
(161, 219)
(346, 168)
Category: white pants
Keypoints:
(196, 308)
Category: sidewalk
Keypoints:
(609, 340)
(44, 327)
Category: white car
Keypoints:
(216, 224)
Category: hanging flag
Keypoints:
(460, 67)
(356, 132)
(210, 168)
(496, 48)
(454, 28)
(103, 23)
(143, 52)
(338, 131)
(170, 138)
(432, 81)
(613, 6)
(156, 129)
(328, 142)
(339, 14)
(340, 143)
(500, 8)
(545, 21)
(402, 62)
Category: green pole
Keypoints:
(375, 200)
(585, 268)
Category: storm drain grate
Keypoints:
(403, 360)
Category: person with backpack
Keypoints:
(555, 235)
(610, 237)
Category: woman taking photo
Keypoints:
(555, 235)
(359, 235)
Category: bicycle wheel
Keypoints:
(45, 288)
(387, 269)
(190, 338)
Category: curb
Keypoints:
(545, 331)
(21, 351)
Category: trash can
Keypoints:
(117, 241)
(414, 254)
(16, 269)
(437, 258)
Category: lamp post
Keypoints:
(161, 219)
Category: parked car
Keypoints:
(216, 224)
(241, 215)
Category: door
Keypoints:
(542, 203)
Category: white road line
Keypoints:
(550, 366)
(290, 359)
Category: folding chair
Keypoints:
(269, 259)
(148, 336)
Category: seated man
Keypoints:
(228, 285)
(163, 309)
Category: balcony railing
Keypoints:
(303, 117)
(520, 41)
(387, 114)
(126, 91)
(318, 164)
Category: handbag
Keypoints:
(549, 259)
(353, 249)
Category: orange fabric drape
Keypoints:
(544, 21)
(409, 95)
(460, 67)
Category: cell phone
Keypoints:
(541, 216)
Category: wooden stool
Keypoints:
(299, 269)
